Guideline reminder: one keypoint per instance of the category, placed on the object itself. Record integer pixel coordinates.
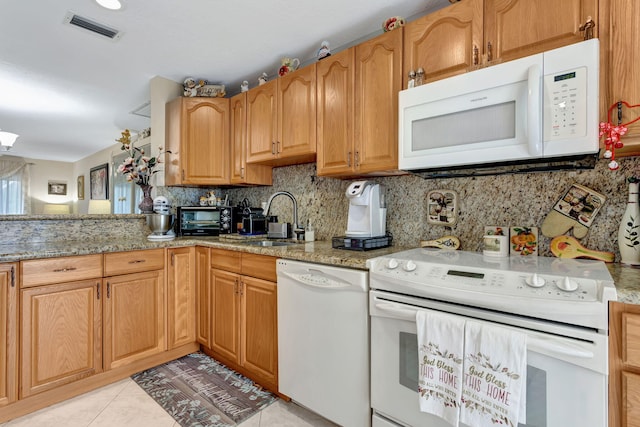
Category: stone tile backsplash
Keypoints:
(508, 200)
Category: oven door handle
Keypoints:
(397, 312)
(546, 346)
(534, 343)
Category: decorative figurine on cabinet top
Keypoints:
(288, 65)
(393, 23)
(194, 88)
(191, 86)
(324, 50)
(244, 86)
(262, 79)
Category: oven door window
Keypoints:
(536, 380)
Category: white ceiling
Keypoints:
(68, 92)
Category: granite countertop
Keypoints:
(626, 278)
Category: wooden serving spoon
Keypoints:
(568, 247)
(445, 242)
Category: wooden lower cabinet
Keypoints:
(624, 365)
(181, 296)
(203, 297)
(133, 317)
(61, 335)
(8, 333)
(243, 315)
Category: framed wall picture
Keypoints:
(80, 185)
(99, 182)
(58, 188)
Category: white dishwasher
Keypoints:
(323, 340)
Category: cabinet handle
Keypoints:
(273, 147)
(357, 159)
(241, 288)
(172, 258)
(349, 159)
(278, 150)
(235, 286)
(98, 289)
(137, 261)
(242, 173)
(108, 290)
(13, 276)
(183, 174)
(475, 55)
(489, 54)
(587, 28)
(63, 270)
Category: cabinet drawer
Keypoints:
(631, 339)
(226, 260)
(133, 262)
(260, 266)
(58, 270)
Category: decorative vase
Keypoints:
(628, 237)
(146, 205)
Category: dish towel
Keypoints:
(440, 351)
(495, 376)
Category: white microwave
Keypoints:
(537, 108)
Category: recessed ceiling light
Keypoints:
(110, 4)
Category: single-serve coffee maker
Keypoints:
(367, 210)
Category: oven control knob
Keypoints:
(392, 263)
(409, 266)
(535, 281)
(567, 284)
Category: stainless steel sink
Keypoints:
(266, 243)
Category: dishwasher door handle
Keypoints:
(317, 281)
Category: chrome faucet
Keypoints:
(296, 228)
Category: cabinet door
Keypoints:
(259, 328)
(134, 317)
(181, 297)
(199, 142)
(622, 82)
(378, 81)
(518, 28)
(203, 297)
(61, 335)
(335, 87)
(8, 334)
(241, 172)
(443, 42)
(225, 335)
(261, 122)
(296, 100)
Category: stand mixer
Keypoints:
(161, 221)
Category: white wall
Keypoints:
(82, 167)
(44, 171)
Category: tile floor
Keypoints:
(125, 404)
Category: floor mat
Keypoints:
(198, 391)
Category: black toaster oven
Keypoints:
(208, 220)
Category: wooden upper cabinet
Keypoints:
(197, 135)
(358, 108)
(476, 33)
(378, 81)
(8, 333)
(241, 172)
(335, 81)
(442, 43)
(620, 67)
(281, 119)
(518, 28)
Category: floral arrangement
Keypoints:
(137, 168)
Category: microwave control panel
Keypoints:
(565, 101)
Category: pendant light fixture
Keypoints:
(6, 140)
(110, 4)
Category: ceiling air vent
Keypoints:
(93, 26)
(144, 110)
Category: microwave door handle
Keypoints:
(534, 139)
